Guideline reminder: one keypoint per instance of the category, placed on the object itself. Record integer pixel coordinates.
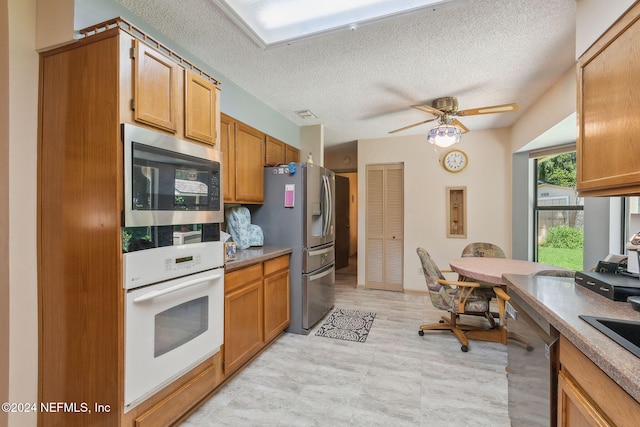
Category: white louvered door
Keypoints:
(384, 227)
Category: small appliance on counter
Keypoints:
(633, 246)
(613, 286)
(615, 264)
(186, 237)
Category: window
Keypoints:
(559, 215)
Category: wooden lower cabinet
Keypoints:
(276, 296)
(256, 309)
(575, 407)
(587, 396)
(177, 400)
(243, 335)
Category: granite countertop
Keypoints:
(253, 255)
(561, 301)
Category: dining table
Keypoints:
(488, 271)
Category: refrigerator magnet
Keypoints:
(289, 195)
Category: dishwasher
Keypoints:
(532, 378)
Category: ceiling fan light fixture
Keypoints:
(444, 135)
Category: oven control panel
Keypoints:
(182, 263)
(151, 266)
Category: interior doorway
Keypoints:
(348, 215)
(343, 242)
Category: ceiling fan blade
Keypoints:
(504, 108)
(410, 126)
(457, 123)
(428, 109)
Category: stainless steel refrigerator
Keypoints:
(299, 212)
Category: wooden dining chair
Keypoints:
(464, 298)
(556, 273)
(483, 249)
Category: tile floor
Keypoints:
(395, 378)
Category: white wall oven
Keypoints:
(174, 314)
(173, 261)
(169, 181)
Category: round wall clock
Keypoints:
(455, 160)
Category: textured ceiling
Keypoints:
(361, 83)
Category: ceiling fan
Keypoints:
(446, 109)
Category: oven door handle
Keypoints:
(189, 283)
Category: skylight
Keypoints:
(275, 22)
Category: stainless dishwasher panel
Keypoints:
(532, 375)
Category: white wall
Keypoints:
(553, 107)
(593, 17)
(488, 182)
(312, 142)
(54, 20)
(4, 208)
(23, 120)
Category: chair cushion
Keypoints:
(447, 299)
(475, 303)
(483, 249)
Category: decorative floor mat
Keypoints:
(348, 325)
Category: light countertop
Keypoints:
(253, 255)
(560, 301)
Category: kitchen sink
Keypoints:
(624, 332)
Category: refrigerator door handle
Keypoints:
(320, 275)
(321, 251)
(327, 205)
(324, 205)
(330, 212)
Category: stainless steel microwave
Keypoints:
(169, 181)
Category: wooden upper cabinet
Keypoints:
(155, 88)
(275, 152)
(200, 108)
(228, 148)
(249, 160)
(243, 161)
(608, 152)
(278, 153)
(291, 154)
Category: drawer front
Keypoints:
(243, 276)
(276, 264)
